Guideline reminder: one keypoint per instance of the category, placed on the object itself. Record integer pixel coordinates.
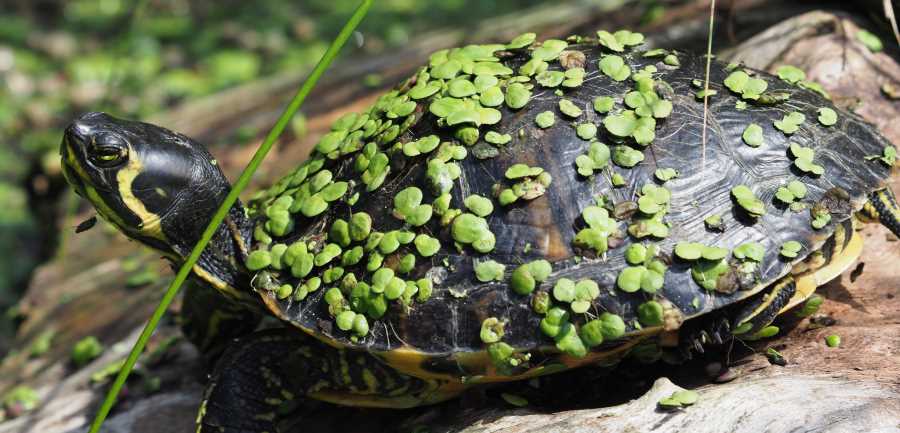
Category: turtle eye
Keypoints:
(108, 152)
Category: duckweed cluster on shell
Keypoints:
(464, 89)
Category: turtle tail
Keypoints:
(883, 207)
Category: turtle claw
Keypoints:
(704, 332)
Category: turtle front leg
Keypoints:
(744, 320)
(211, 322)
(265, 370)
(883, 207)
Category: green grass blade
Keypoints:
(712, 19)
(220, 214)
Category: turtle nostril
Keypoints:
(78, 131)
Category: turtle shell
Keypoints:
(376, 243)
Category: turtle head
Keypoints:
(158, 187)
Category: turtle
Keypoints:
(508, 211)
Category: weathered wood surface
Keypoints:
(85, 295)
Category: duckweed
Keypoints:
(790, 74)
(665, 174)
(753, 135)
(791, 249)
(497, 138)
(679, 399)
(650, 313)
(603, 104)
(803, 159)
(86, 350)
(625, 156)
(790, 123)
(517, 95)
(748, 201)
(479, 205)
(596, 159)
(426, 245)
(568, 108)
(827, 116)
(526, 277)
(586, 131)
(489, 270)
(615, 67)
(259, 259)
(741, 83)
(545, 119)
(872, 42)
(750, 251)
(600, 228)
(491, 330)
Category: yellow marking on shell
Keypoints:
(410, 362)
(218, 284)
(560, 363)
(345, 367)
(404, 401)
(839, 263)
(150, 222)
(815, 260)
(371, 381)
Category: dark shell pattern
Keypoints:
(531, 195)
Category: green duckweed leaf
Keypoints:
(753, 135)
(635, 254)
(748, 201)
(586, 131)
(549, 50)
(568, 108)
(491, 330)
(603, 104)
(791, 74)
(550, 78)
(609, 41)
(517, 96)
(625, 156)
(614, 67)
(791, 249)
(479, 205)
(564, 290)
(827, 116)
(545, 119)
(426, 245)
(489, 270)
(750, 251)
(872, 42)
(629, 279)
(521, 41)
(665, 174)
(650, 313)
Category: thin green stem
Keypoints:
(712, 16)
(229, 201)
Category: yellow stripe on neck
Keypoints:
(150, 222)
